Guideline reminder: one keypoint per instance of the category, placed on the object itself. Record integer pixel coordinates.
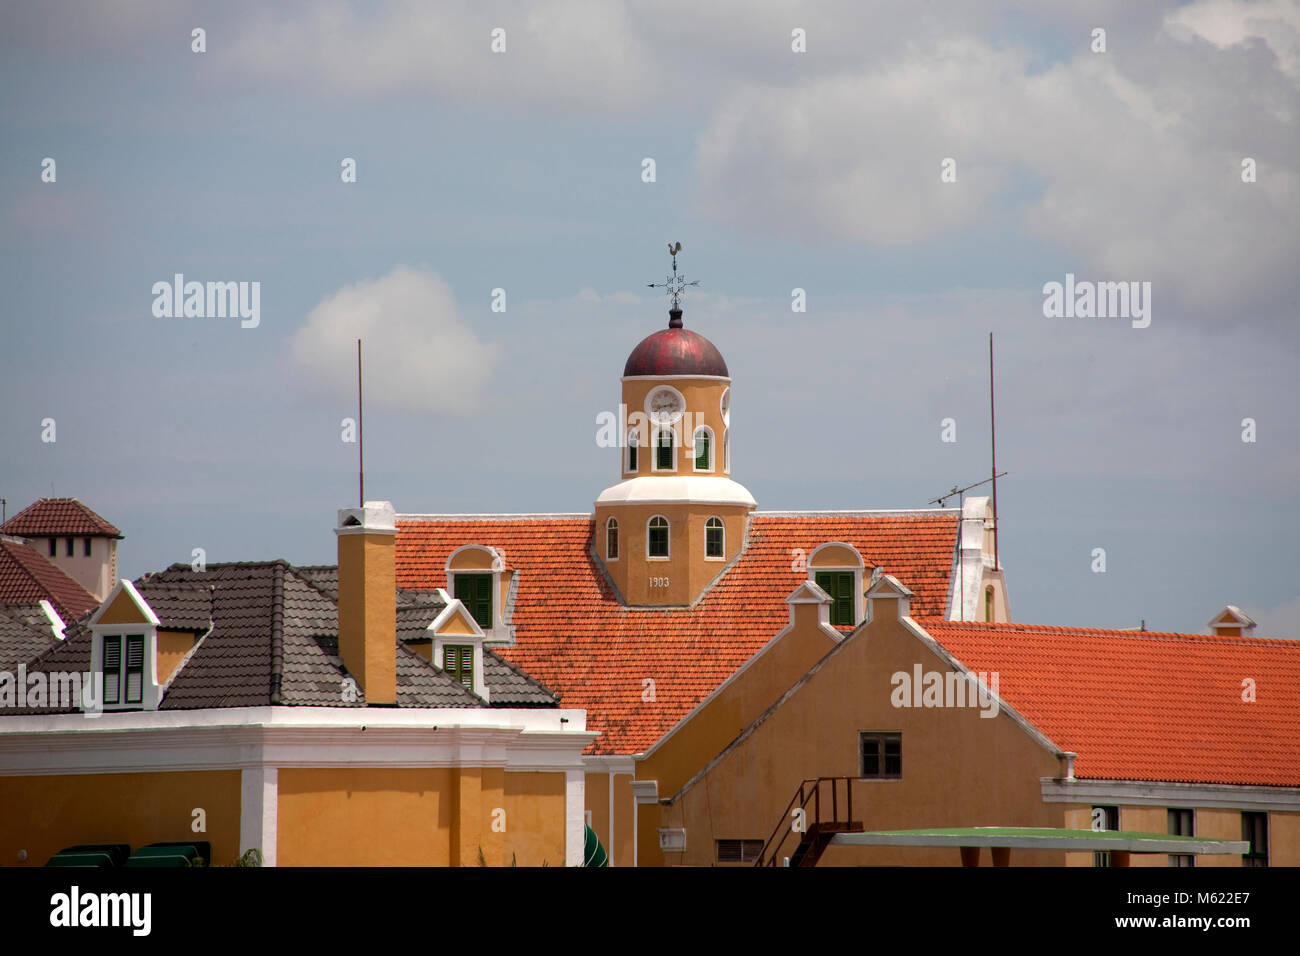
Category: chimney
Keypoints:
(368, 598)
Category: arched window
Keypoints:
(656, 540)
(714, 538)
(611, 540)
(631, 449)
(703, 449)
(664, 458)
(988, 605)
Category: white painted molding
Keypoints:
(575, 818)
(677, 489)
(1218, 796)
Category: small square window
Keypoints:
(882, 755)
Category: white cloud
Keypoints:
(419, 353)
(1280, 621)
(1226, 23)
(1130, 163)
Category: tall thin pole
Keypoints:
(361, 439)
(993, 439)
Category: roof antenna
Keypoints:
(993, 443)
(361, 439)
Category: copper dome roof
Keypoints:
(676, 351)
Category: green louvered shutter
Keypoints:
(475, 592)
(839, 585)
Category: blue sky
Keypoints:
(776, 170)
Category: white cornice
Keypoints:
(1157, 794)
(240, 738)
(677, 489)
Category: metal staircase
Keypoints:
(801, 838)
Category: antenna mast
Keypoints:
(993, 441)
(361, 439)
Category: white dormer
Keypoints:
(458, 645)
(478, 578)
(1232, 621)
(124, 651)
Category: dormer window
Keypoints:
(836, 568)
(657, 537)
(714, 539)
(124, 656)
(664, 449)
(477, 577)
(611, 540)
(703, 449)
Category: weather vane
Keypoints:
(674, 285)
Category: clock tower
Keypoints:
(676, 520)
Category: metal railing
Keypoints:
(810, 791)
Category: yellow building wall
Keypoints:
(958, 768)
(172, 648)
(420, 817)
(769, 675)
(364, 816)
(1283, 839)
(44, 814)
(534, 804)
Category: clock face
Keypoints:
(726, 406)
(664, 405)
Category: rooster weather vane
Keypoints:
(674, 285)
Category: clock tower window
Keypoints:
(657, 537)
(714, 538)
(703, 449)
(611, 540)
(665, 450)
(631, 449)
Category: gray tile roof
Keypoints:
(274, 640)
(180, 606)
(25, 632)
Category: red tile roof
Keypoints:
(1143, 705)
(52, 516)
(575, 637)
(26, 577)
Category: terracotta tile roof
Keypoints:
(27, 577)
(574, 636)
(1143, 705)
(52, 516)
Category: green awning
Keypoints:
(593, 853)
(169, 855)
(100, 855)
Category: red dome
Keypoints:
(676, 351)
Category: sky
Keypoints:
(922, 172)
